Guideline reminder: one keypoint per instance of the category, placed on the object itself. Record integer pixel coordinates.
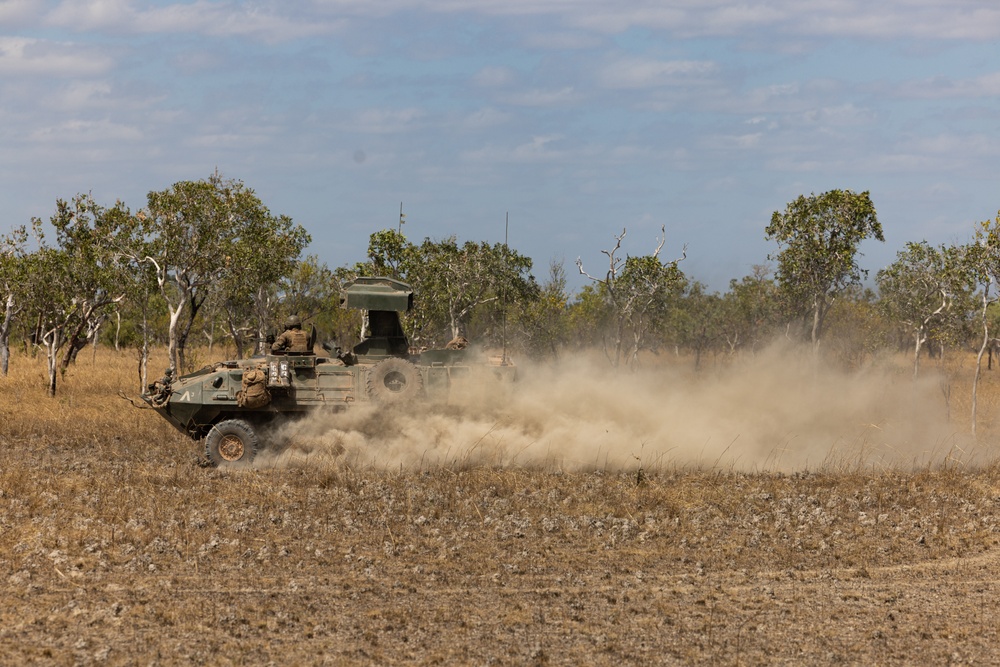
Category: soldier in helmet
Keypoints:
(160, 390)
(294, 339)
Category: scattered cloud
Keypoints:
(484, 118)
(537, 149)
(564, 96)
(25, 56)
(946, 87)
(648, 73)
(582, 111)
(495, 77)
(97, 133)
(15, 13)
(386, 121)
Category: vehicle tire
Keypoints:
(394, 380)
(232, 442)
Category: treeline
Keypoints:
(206, 261)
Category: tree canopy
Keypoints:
(818, 238)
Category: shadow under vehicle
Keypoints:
(231, 403)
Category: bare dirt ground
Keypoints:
(117, 547)
(109, 557)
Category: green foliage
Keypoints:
(451, 282)
(818, 239)
(216, 236)
(857, 329)
(312, 291)
(919, 291)
(541, 326)
(74, 283)
(753, 311)
(638, 293)
(699, 321)
(982, 262)
(14, 278)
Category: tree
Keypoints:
(200, 232)
(265, 250)
(142, 300)
(856, 328)
(818, 239)
(12, 281)
(699, 320)
(450, 281)
(636, 291)
(751, 308)
(73, 282)
(90, 236)
(312, 291)
(982, 262)
(389, 255)
(919, 288)
(541, 326)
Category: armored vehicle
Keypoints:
(231, 403)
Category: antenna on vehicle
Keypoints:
(402, 218)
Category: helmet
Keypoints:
(169, 371)
(293, 322)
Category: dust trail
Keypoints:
(776, 412)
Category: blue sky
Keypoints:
(577, 117)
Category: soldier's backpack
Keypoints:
(254, 393)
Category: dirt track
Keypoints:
(121, 556)
(931, 615)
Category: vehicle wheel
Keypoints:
(394, 381)
(231, 442)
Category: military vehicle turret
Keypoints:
(231, 403)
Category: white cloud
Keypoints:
(18, 12)
(92, 14)
(579, 22)
(270, 21)
(544, 98)
(956, 145)
(943, 87)
(537, 149)
(99, 132)
(27, 56)
(80, 94)
(841, 115)
(386, 121)
(735, 142)
(494, 77)
(648, 73)
(562, 41)
(483, 118)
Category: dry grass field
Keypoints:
(117, 547)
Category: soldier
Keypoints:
(457, 343)
(161, 388)
(294, 339)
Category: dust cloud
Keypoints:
(777, 411)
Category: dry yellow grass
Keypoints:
(116, 547)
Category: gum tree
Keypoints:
(751, 308)
(451, 281)
(203, 236)
(636, 292)
(73, 282)
(265, 251)
(90, 236)
(12, 280)
(982, 264)
(818, 238)
(920, 289)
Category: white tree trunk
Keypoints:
(8, 316)
(52, 341)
